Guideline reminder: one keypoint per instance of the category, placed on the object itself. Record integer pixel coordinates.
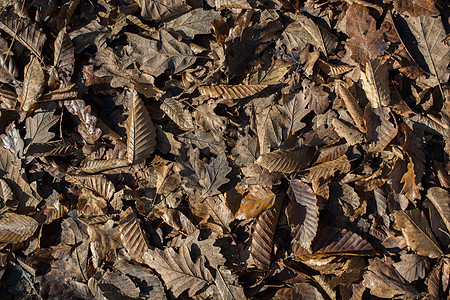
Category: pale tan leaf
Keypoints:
(52, 210)
(213, 175)
(302, 213)
(332, 69)
(6, 194)
(269, 125)
(375, 82)
(179, 271)
(37, 127)
(271, 75)
(100, 165)
(385, 282)
(132, 235)
(263, 234)
(381, 127)
(155, 56)
(286, 161)
(33, 84)
(227, 285)
(304, 31)
(141, 133)
(352, 106)
(176, 111)
(237, 4)
(231, 92)
(197, 21)
(8, 97)
(122, 282)
(412, 266)
(26, 33)
(161, 9)
(69, 92)
(410, 188)
(351, 135)
(427, 47)
(90, 205)
(16, 228)
(96, 183)
(329, 168)
(12, 172)
(293, 110)
(441, 201)
(433, 282)
(417, 232)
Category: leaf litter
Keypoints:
(224, 149)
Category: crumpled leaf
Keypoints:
(141, 133)
(302, 213)
(178, 270)
(416, 8)
(64, 59)
(417, 232)
(381, 127)
(155, 56)
(385, 282)
(215, 211)
(16, 228)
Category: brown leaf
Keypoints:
(176, 111)
(33, 84)
(141, 133)
(412, 267)
(214, 210)
(132, 235)
(375, 82)
(352, 106)
(37, 127)
(96, 183)
(293, 110)
(288, 161)
(263, 235)
(304, 31)
(417, 232)
(16, 228)
(269, 125)
(26, 33)
(327, 169)
(64, 59)
(178, 270)
(416, 8)
(257, 200)
(197, 21)
(351, 135)
(231, 92)
(365, 41)
(155, 56)
(441, 201)
(385, 282)
(381, 127)
(161, 10)
(302, 213)
(301, 291)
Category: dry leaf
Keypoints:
(33, 84)
(141, 132)
(231, 92)
(417, 232)
(132, 235)
(288, 161)
(16, 228)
